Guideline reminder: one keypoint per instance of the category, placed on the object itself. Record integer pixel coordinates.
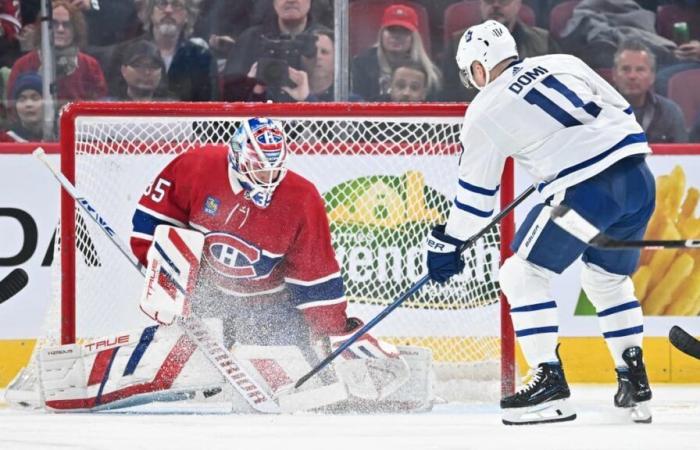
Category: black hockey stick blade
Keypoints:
(12, 284)
(684, 342)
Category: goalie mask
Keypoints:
(489, 43)
(258, 158)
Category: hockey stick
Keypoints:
(412, 290)
(582, 229)
(684, 342)
(12, 284)
(195, 328)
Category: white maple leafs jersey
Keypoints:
(556, 117)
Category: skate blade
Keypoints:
(548, 412)
(640, 413)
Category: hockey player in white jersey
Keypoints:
(575, 134)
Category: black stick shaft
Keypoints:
(412, 290)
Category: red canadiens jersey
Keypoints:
(282, 252)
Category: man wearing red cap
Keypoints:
(398, 42)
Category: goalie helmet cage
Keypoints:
(387, 173)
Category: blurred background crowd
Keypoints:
(285, 51)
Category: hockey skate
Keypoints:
(633, 391)
(543, 399)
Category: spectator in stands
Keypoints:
(110, 22)
(78, 75)
(633, 75)
(9, 30)
(598, 27)
(143, 74)
(409, 83)
(270, 54)
(688, 51)
(531, 41)
(189, 65)
(222, 21)
(27, 107)
(315, 82)
(399, 42)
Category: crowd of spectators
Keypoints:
(283, 50)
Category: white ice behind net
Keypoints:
(386, 182)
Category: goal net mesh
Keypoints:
(386, 182)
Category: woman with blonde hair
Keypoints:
(399, 42)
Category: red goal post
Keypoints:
(400, 159)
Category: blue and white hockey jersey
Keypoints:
(556, 117)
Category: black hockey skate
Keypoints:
(633, 391)
(542, 400)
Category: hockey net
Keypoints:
(387, 174)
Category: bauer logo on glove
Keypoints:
(444, 255)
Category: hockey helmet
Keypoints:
(258, 158)
(488, 43)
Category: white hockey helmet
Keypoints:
(489, 43)
(258, 158)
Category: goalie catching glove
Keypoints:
(173, 265)
(444, 255)
(371, 369)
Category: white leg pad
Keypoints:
(278, 367)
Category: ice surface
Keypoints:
(676, 425)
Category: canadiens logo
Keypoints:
(231, 256)
(211, 205)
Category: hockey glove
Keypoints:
(371, 369)
(444, 258)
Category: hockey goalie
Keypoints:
(230, 235)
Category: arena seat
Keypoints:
(683, 89)
(559, 15)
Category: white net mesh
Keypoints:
(385, 180)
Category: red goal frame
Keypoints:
(73, 111)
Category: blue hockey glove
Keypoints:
(444, 258)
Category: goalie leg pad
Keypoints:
(122, 370)
(278, 367)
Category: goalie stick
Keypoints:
(684, 342)
(14, 282)
(412, 290)
(582, 229)
(194, 327)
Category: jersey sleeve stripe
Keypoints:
(161, 216)
(146, 223)
(321, 303)
(628, 110)
(312, 282)
(472, 210)
(478, 189)
(628, 140)
(332, 288)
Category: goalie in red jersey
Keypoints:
(268, 269)
(230, 235)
